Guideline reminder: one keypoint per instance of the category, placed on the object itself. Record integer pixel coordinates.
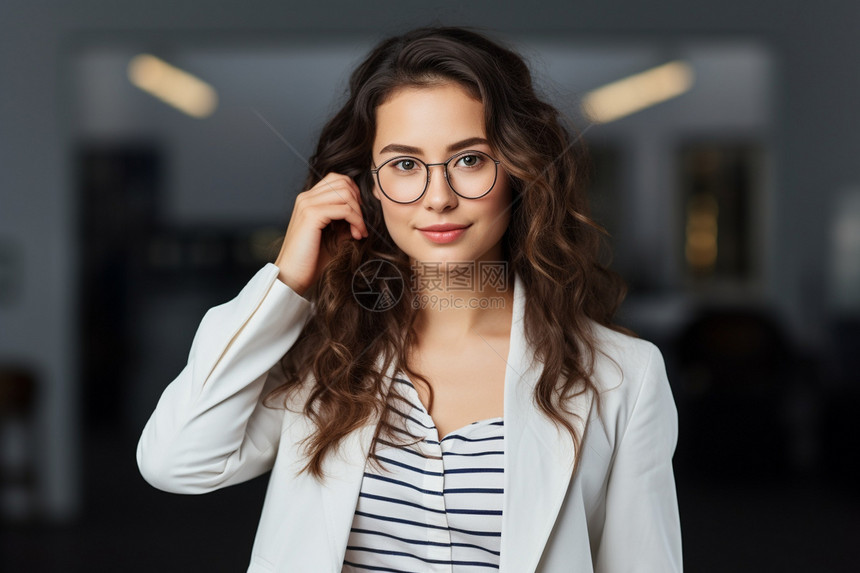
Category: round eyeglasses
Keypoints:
(404, 179)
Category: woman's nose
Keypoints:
(439, 193)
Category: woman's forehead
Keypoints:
(436, 119)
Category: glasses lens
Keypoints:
(471, 174)
(403, 179)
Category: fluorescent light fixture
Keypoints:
(637, 92)
(173, 86)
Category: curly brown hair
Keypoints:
(551, 242)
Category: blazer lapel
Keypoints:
(539, 457)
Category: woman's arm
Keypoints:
(209, 429)
(642, 530)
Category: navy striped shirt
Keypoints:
(438, 507)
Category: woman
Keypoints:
(448, 400)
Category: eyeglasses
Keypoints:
(404, 179)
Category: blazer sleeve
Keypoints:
(642, 530)
(210, 429)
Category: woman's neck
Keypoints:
(454, 314)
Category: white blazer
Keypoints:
(616, 512)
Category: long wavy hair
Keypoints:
(551, 243)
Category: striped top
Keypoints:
(438, 508)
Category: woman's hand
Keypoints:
(302, 257)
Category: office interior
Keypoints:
(732, 205)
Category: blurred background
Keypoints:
(151, 152)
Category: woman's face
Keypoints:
(431, 120)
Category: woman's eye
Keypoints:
(407, 164)
(470, 160)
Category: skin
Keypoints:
(431, 119)
(463, 348)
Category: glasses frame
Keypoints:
(445, 163)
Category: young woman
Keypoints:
(429, 369)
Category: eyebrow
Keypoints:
(400, 148)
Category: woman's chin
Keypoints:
(442, 261)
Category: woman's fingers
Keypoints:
(335, 197)
(347, 190)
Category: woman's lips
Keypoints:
(443, 236)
